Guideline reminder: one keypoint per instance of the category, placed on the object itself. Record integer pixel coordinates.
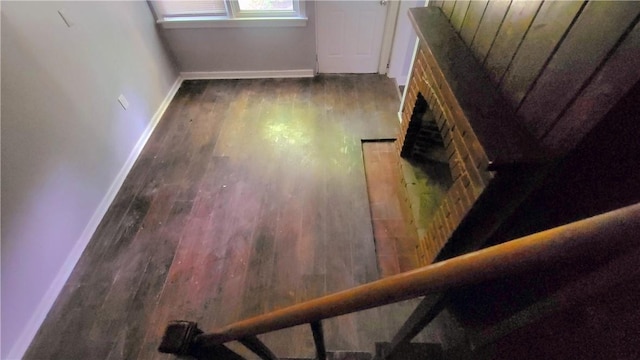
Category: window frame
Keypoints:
(234, 7)
(234, 17)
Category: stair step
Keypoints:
(413, 351)
(341, 355)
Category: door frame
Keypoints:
(391, 18)
(393, 8)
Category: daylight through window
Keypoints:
(199, 10)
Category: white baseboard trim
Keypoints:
(400, 116)
(260, 74)
(26, 337)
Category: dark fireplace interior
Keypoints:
(423, 140)
(426, 161)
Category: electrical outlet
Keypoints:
(123, 101)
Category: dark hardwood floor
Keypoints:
(249, 196)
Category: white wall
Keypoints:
(245, 49)
(65, 138)
(404, 41)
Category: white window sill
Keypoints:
(223, 21)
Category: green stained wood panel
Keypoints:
(447, 7)
(512, 31)
(472, 20)
(551, 23)
(493, 16)
(459, 12)
(595, 33)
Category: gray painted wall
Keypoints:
(404, 42)
(65, 138)
(245, 49)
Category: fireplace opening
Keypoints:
(425, 164)
(424, 147)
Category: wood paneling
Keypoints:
(612, 81)
(543, 59)
(545, 33)
(594, 35)
(513, 29)
(459, 13)
(448, 7)
(488, 28)
(472, 20)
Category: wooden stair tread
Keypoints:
(414, 351)
(341, 355)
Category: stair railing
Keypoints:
(609, 234)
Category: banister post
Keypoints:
(318, 339)
(424, 313)
(254, 344)
(181, 338)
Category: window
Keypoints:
(214, 13)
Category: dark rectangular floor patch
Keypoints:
(395, 235)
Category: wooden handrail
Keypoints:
(605, 234)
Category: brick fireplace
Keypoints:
(452, 114)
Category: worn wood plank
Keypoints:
(128, 286)
(448, 7)
(613, 80)
(153, 280)
(575, 61)
(472, 20)
(514, 27)
(488, 28)
(459, 13)
(549, 26)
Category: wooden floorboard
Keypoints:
(249, 196)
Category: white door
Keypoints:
(349, 35)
